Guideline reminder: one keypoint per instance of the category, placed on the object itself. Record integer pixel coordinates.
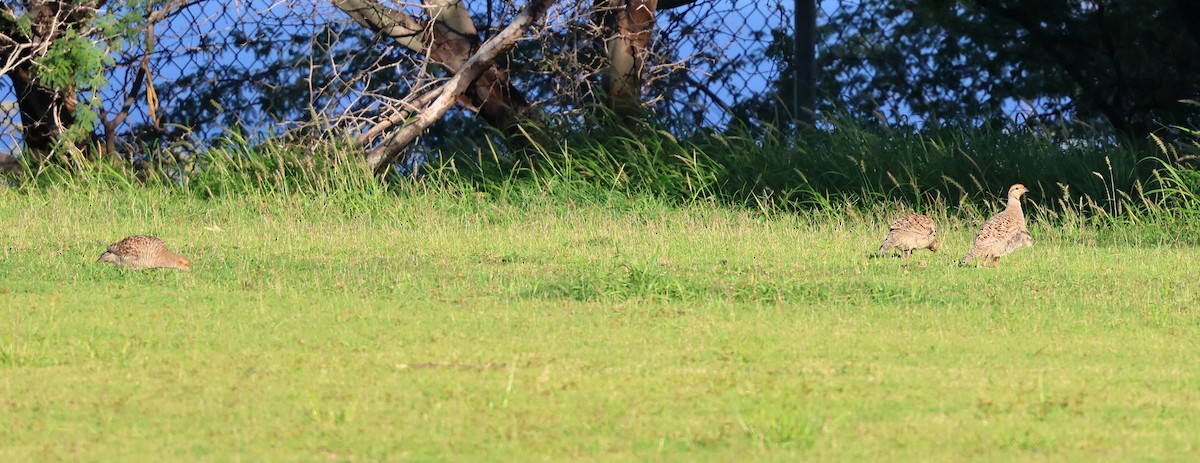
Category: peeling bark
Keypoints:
(627, 26)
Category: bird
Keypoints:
(140, 252)
(910, 232)
(1004, 233)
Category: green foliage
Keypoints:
(23, 23)
(952, 164)
(1118, 65)
(73, 62)
(601, 158)
(74, 66)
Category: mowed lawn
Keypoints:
(458, 327)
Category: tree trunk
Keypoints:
(45, 113)
(626, 26)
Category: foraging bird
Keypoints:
(1003, 233)
(141, 252)
(912, 231)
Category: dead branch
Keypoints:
(384, 155)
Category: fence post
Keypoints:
(804, 61)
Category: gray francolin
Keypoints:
(1003, 233)
(910, 232)
(141, 252)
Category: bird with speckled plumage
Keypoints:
(140, 252)
(911, 232)
(1002, 234)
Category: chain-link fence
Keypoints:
(731, 55)
(10, 131)
(263, 67)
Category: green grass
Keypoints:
(433, 325)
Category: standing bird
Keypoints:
(912, 231)
(140, 252)
(1003, 233)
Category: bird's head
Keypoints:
(935, 245)
(1017, 190)
(183, 264)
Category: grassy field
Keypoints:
(461, 327)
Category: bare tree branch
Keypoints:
(448, 37)
(169, 8)
(400, 116)
(382, 157)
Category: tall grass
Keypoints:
(1088, 180)
(847, 166)
(863, 164)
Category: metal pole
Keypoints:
(804, 61)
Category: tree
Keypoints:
(446, 35)
(47, 55)
(56, 53)
(1121, 65)
(386, 76)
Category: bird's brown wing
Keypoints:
(998, 230)
(916, 224)
(138, 245)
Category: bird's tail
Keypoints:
(1023, 239)
(887, 245)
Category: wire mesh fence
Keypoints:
(260, 67)
(10, 131)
